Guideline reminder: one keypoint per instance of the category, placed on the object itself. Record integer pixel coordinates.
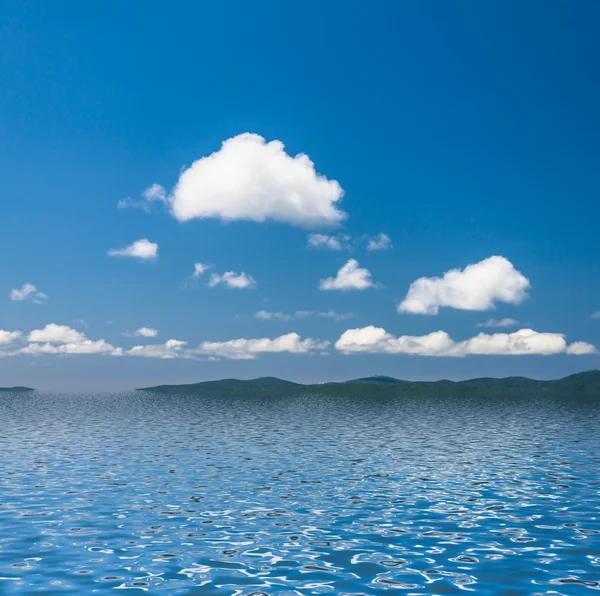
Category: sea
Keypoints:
(298, 495)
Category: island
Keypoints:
(584, 384)
(16, 389)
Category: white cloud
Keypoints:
(349, 277)
(248, 349)
(28, 292)
(173, 348)
(380, 242)
(476, 287)
(7, 337)
(60, 339)
(265, 315)
(85, 346)
(140, 249)
(146, 332)
(596, 315)
(376, 340)
(232, 280)
(250, 179)
(200, 269)
(53, 333)
(340, 242)
(581, 348)
(498, 323)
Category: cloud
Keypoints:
(7, 337)
(153, 194)
(340, 242)
(200, 269)
(141, 249)
(476, 287)
(349, 277)
(498, 323)
(595, 315)
(265, 315)
(376, 340)
(248, 349)
(232, 280)
(60, 339)
(28, 292)
(146, 332)
(173, 348)
(59, 334)
(581, 348)
(250, 179)
(380, 242)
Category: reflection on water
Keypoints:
(301, 495)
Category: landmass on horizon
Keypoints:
(583, 384)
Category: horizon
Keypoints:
(422, 203)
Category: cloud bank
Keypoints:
(375, 340)
(476, 287)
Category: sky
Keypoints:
(316, 191)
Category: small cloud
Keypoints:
(173, 348)
(81, 323)
(200, 269)
(141, 249)
(28, 292)
(380, 242)
(581, 348)
(248, 349)
(153, 194)
(349, 277)
(340, 242)
(7, 337)
(231, 279)
(146, 332)
(265, 315)
(595, 315)
(476, 287)
(498, 323)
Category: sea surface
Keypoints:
(298, 495)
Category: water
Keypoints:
(298, 496)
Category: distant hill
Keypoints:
(16, 389)
(584, 384)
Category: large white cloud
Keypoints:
(239, 281)
(141, 249)
(53, 333)
(248, 349)
(349, 277)
(476, 287)
(28, 292)
(376, 340)
(249, 178)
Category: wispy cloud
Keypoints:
(498, 323)
(28, 292)
(265, 315)
(230, 279)
(380, 242)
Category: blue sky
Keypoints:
(460, 131)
